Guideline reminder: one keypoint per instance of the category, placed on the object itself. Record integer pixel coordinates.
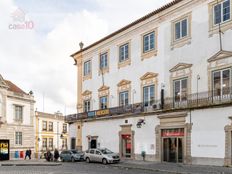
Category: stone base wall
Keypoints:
(208, 161)
(149, 157)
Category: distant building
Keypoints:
(50, 132)
(16, 118)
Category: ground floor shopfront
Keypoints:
(191, 137)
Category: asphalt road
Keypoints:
(72, 168)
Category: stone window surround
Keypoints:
(106, 69)
(187, 159)
(181, 71)
(152, 52)
(124, 85)
(213, 29)
(18, 120)
(127, 61)
(185, 40)
(104, 91)
(89, 76)
(149, 79)
(126, 129)
(87, 95)
(17, 145)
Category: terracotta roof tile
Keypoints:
(130, 25)
(14, 88)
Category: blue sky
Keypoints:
(39, 59)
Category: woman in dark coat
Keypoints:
(56, 154)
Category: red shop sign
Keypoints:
(172, 132)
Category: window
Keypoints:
(44, 126)
(148, 95)
(44, 141)
(87, 105)
(221, 12)
(103, 102)
(123, 98)
(18, 138)
(91, 151)
(64, 128)
(97, 152)
(103, 61)
(149, 42)
(50, 126)
(18, 113)
(87, 68)
(180, 90)
(181, 29)
(221, 82)
(123, 52)
(50, 143)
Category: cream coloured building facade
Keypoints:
(51, 132)
(162, 85)
(16, 118)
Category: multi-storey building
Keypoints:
(51, 132)
(162, 85)
(16, 118)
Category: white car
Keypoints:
(103, 155)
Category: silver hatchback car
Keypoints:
(103, 155)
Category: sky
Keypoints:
(37, 57)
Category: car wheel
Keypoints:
(72, 159)
(104, 161)
(87, 160)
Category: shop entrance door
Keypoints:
(172, 145)
(126, 146)
(93, 144)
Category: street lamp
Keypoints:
(198, 78)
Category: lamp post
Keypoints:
(198, 78)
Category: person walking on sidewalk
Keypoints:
(27, 154)
(56, 155)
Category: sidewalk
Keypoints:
(173, 167)
(33, 162)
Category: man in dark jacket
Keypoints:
(27, 154)
(56, 154)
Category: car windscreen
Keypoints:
(106, 151)
(74, 151)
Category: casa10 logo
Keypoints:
(20, 22)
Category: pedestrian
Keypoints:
(27, 154)
(56, 154)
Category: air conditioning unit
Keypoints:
(153, 107)
(156, 106)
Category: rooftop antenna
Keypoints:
(220, 32)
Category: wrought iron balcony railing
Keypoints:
(196, 100)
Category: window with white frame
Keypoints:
(124, 98)
(181, 29)
(18, 138)
(148, 95)
(221, 82)
(87, 68)
(44, 142)
(64, 128)
(124, 52)
(50, 126)
(180, 88)
(149, 42)
(50, 143)
(44, 128)
(103, 102)
(222, 12)
(87, 105)
(104, 60)
(18, 113)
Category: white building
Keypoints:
(16, 118)
(51, 132)
(162, 85)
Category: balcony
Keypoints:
(192, 101)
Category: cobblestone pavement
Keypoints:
(72, 168)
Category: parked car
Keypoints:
(103, 155)
(71, 155)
